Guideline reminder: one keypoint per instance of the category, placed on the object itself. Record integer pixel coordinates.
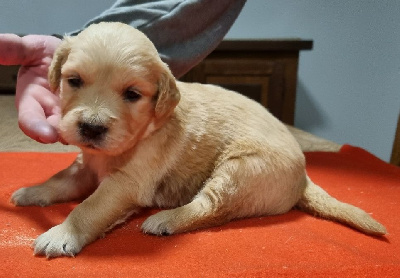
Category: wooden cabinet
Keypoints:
(8, 79)
(264, 70)
(395, 157)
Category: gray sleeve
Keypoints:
(183, 31)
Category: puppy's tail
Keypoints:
(318, 202)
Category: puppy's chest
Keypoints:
(99, 166)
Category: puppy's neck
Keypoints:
(104, 164)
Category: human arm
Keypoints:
(184, 32)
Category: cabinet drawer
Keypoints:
(8, 77)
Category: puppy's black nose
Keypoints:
(91, 131)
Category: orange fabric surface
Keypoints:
(292, 245)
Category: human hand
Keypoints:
(38, 108)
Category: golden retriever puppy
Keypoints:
(207, 154)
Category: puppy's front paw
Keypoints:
(31, 196)
(59, 241)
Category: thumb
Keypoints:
(36, 126)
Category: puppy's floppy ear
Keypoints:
(168, 95)
(59, 58)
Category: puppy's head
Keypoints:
(114, 88)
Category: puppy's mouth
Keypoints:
(91, 146)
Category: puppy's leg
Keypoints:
(214, 205)
(88, 221)
(70, 184)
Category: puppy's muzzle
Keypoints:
(92, 132)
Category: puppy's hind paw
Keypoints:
(178, 220)
(157, 225)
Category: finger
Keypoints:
(33, 122)
(38, 112)
(11, 49)
(29, 50)
(38, 130)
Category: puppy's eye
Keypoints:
(75, 81)
(132, 95)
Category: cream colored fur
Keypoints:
(207, 154)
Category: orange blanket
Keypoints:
(294, 244)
